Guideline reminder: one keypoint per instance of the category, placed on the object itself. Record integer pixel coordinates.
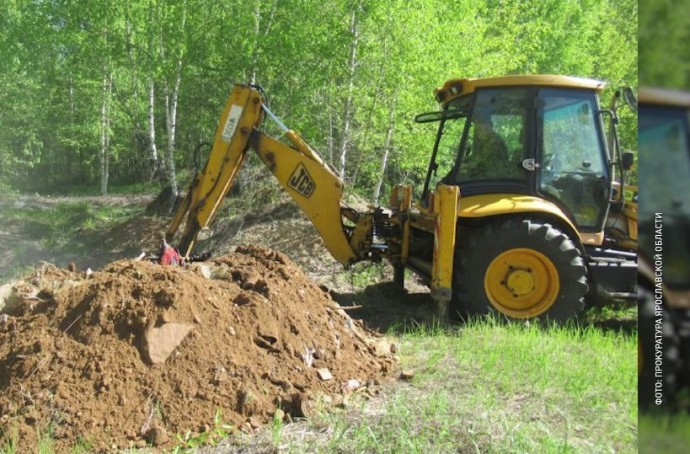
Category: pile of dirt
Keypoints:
(136, 353)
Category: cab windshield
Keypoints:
(574, 167)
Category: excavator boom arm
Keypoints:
(241, 114)
(315, 188)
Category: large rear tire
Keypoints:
(520, 269)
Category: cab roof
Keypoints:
(454, 88)
(663, 96)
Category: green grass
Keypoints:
(189, 442)
(664, 433)
(497, 387)
(45, 442)
(13, 445)
(9, 446)
(612, 314)
(67, 218)
(363, 274)
(276, 430)
(53, 230)
(118, 189)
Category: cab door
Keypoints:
(572, 158)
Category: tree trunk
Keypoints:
(105, 133)
(171, 129)
(386, 151)
(375, 95)
(329, 140)
(347, 115)
(255, 51)
(171, 98)
(152, 130)
(257, 36)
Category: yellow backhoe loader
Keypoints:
(664, 281)
(513, 216)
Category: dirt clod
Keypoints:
(139, 352)
(157, 436)
(406, 375)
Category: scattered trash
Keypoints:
(308, 357)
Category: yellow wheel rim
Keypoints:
(522, 283)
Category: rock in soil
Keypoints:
(324, 374)
(160, 342)
(142, 352)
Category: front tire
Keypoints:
(521, 269)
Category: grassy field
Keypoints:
(485, 386)
(88, 231)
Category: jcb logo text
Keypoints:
(301, 181)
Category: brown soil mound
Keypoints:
(137, 352)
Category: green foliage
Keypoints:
(56, 56)
(664, 32)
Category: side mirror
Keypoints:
(627, 160)
(439, 115)
(429, 117)
(630, 98)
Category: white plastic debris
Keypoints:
(308, 357)
(351, 385)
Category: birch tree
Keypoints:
(105, 131)
(151, 122)
(351, 70)
(169, 62)
(387, 146)
(262, 27)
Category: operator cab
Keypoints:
(531, 135)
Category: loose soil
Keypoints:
(136, 353)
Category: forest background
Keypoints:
(101, 94)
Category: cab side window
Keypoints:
(495, 146)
